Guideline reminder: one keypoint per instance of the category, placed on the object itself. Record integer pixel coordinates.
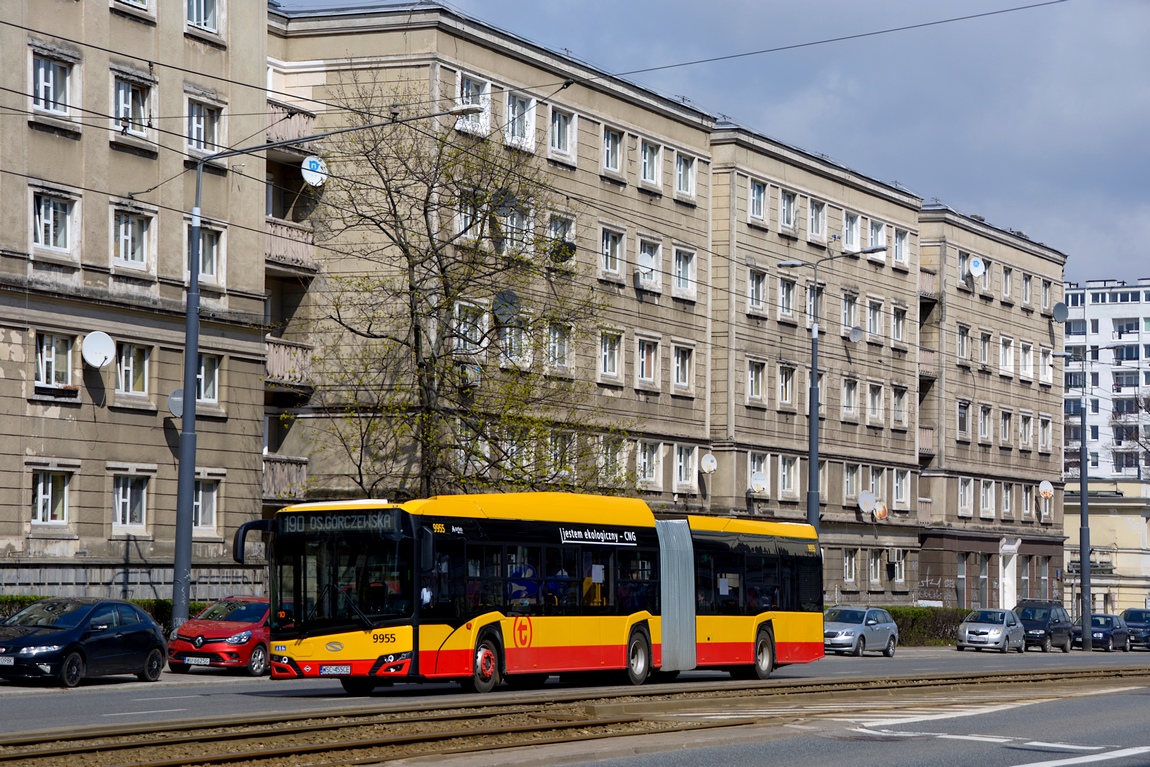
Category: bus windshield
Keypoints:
(340, 581)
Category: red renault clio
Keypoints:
(230, 633)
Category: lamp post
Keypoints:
(1083, 514)
(813, 397)
(186, 477)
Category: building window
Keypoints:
(850, 311)
(651, 163)
(203, 126)
(901, 246)
(983, 580)
(609, 344)
(519, 130)
(204, 506)
(558, 346)
(1026, 288)
(850, 398)
(902, 488)
(965, 496)
(210, 253)
(758, 201)
(758, 463)
(850, 480)
(877, 238)
(786, 385)
(648, 362)
(1025, 361)
(131, 233)
(684, 274)
(53, 360)
(1027, 500)
(1045, 366)
(850, 564)
(53, 220)
(562, 132)
(786, 298)
(612, 252)
(50, 497)
(470, 328)
(787, 209)
(878, 482)
(650, 464)
(898, 565)
(1024, 565)
(875, 566)
(963, 424)
(899, 409)
(129, 499)
(514, 343)
(1005, 427)
(560, 452)
(685, 467)
(473, 91)
(1045, 434)
(986, 499)
(1046, 294)
(962, 343)
(874, 319)
(851, 231)
(1007, 500)
(788, 476)
(612, 150)
(898, 325)
(202, 14)
(756, 373)
(1044, 576)
(50, 80)
(1025, 430)
(132, 369)
(756, 290)
(1007, 281)
(984, 349)
(985, 429)
(874, 401)
(960, 581)
(1006, 356)
(684, 174)
(207, 379)
(513, 238)
(817, 220)
(612, 467)
(132, 114)
(683, 360)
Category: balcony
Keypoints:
(288, 363)
(285, 478)
(289, 247)
(927, 285)
(927, 363)
(1101, 560)
(925, 440)
(286, 122)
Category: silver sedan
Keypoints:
(994, 629)
(857, 629)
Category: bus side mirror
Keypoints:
(263, 525)
(426, 550)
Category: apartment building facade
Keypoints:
(109, 104)
(989, 400)
(1119, 558)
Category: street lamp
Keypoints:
(813, 397)
(186, 478)
(1083, 514)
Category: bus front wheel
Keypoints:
(485, 674)
(638, 657)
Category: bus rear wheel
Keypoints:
(485, 674)
(638, 656)
(764, 654)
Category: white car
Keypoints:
(994, 629)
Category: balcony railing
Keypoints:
(287, 362)
(927, 284)
(1101, 560)
(925, 506)
(289, 244)
(285, 477)
(286, 122)
(925, 440)
(927, 362)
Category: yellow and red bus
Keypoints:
(518, 586)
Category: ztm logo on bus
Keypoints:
(521, 632)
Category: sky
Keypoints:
(1037, 119)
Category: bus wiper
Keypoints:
(355, 606)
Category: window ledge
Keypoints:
(50, 532)
(62, 126)
(565, 160)
(901, 266)
(204, 410)
(142, 402)
(758, 223)
(791, 321)
(205, 36)
(135, 144)
(612, 277)
(56, 258)
(128, 535)
(613, 177)
(57, 394)
(134, 14)
(686, 199)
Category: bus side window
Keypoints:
(598, 574)
(560, 591)
(705, 584)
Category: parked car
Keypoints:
(1046, 622)
(1138, 621)
(71, 638)
(1108, 632)
(857, 629)
(994, 629)
(230, 633)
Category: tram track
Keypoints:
(376, 731)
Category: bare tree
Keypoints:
(451, 313)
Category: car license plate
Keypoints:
(7, 660)
(198, 661)
(332, 670)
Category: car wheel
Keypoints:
(485, 675)
(1005, 646)
(1066, 646)
(860, 648)
(71, 670)
(258, 663)
(1110, 644)
(1045, 644)
(1126, 645)
(889, 651)
(960, 648)
(178, 668)
(153, 665)
(1022, 647)
(638, 657)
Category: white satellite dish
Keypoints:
(98, 349)
(758, 482)
(1061, 312)
(314, 171)
(976, 266)
(880, 511)
(1045, 489)
(855, 335)
(867, 501)
(646, 264)
(708, 464)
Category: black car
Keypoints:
(1046, 622)
(70, 638)
(1108, 632)
(1138, 621)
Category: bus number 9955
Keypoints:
(383, 638)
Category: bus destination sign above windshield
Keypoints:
(378, 521)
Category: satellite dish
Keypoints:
(503, 202)
(708, 464)
(1046, 490)
(976, 266)
(506, 306)
(758, 482)
(1061, 312)
(314, 171)
(646, 263)
(176, 403)
(98, 349)
(880, 511)
(855, 335)
(562, 251)
(867, 501)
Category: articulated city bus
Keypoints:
(515, 587)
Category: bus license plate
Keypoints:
(334, 670)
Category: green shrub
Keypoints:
(159, 609)
(927, 626)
